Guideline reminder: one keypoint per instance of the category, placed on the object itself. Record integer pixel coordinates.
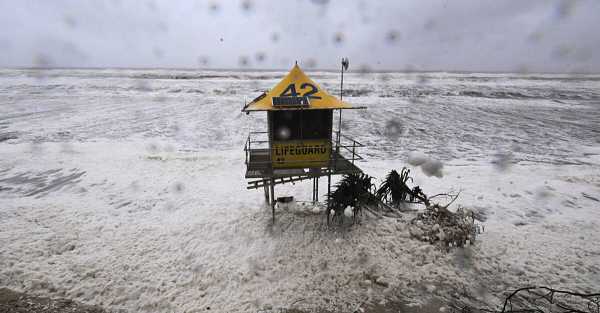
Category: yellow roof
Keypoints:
(296, 84)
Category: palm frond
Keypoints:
(353, 190)
(394, 188)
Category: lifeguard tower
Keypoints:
(300, 142)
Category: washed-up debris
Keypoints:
(437, 225)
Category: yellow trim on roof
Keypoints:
(296, 83)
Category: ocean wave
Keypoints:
(497, 94)
(182, 76)
(550, 95)
(488, 93)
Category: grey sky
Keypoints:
(469, 35)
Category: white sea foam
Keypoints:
(134, 198)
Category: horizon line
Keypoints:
(359, 71)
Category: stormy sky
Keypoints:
(450, 35)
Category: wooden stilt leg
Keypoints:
(266, 189)
(317, 189)
(328, 194)
(273, 198)
(314, 190)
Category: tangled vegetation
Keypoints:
(394, 188)
(353, 191)
(435, 224)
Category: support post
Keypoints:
(314, 189)
(317, 189)
(328, 196)
(335, 153)
(273, 198)
(266, 189)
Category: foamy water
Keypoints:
(125, 188)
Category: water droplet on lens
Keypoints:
(42, 60)
(430, 25)
(178, 187)
(535, 37)
(562, 51)
(502, 161)
(203, 61)
(565, 8)
(338, 38)
(392, 36)
(244, 61)
(422, 80)
(152, 148)
(70, 21)
(260, 56)
(247, 5)
(213, 7)
(158, 52)
(311, 63)
(394, 129)
(151, 5)
(364, 69)
(274, 37)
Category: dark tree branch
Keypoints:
(526, 299)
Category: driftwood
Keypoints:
(541, 299)
(437, 225)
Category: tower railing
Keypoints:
(258, 154)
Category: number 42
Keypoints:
(290, 91)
